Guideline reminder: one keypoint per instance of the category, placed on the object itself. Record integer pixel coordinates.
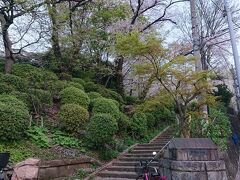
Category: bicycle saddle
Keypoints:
(155, 174)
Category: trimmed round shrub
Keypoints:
(113, 95)
(12, 101)
(94, 95)
(23, 70)
(92, 87)
(101, 129)
(79, 81)
(13, 118)
(76, 85)
(72, 95)
(36, 77)
(14, 81)
(107, 93)
(56, 87)
(6, 88)
(104, 105)
(73, 117)
(24, 97)
(139, 125)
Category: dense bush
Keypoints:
(161, 107)
(12, 101)
(163, 114)
(225, 95)
(92, 87)
(65, 76)
(101, 129)
(57, 86)
(72, 95)
(130, 100)
(76, 85)
(151, 120)
(107, 93)
(36, 77)
(124, 124)
(13, 118)
(78, 80)
(44, 97)
(139, 125)
(104, 105)
(94, 95)
(219, 128)
(6, 88)
(73, 117)
(24, 97)
(113, 95)
(16, 82)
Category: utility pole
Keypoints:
(234, 44)
(195, 36)
(196, 47)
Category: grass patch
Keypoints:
(24, 149)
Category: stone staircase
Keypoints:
(125, 166)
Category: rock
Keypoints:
(27, 169)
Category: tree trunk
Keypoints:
(55, 34)
(9, 58)
(119, 75)
(8, 53)
(147, 87)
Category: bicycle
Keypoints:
(4, 162)
(149, 172)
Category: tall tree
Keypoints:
(9, 11)
(175, 73)
(138, 20)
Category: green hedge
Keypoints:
(76, 85)
(101, 129)
(73, 117)
(72, 95)
(79, 81)
(16, 82)
(94, 95)
(14, 118)
(107, 93)
(104, 105)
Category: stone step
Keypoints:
(131, 163)
(134, 158)
(117, 174)
(152, 144)
(125, 168)
(108, 178)
(138, 155)
(142, 152)
(156, 149)
(136, 168)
